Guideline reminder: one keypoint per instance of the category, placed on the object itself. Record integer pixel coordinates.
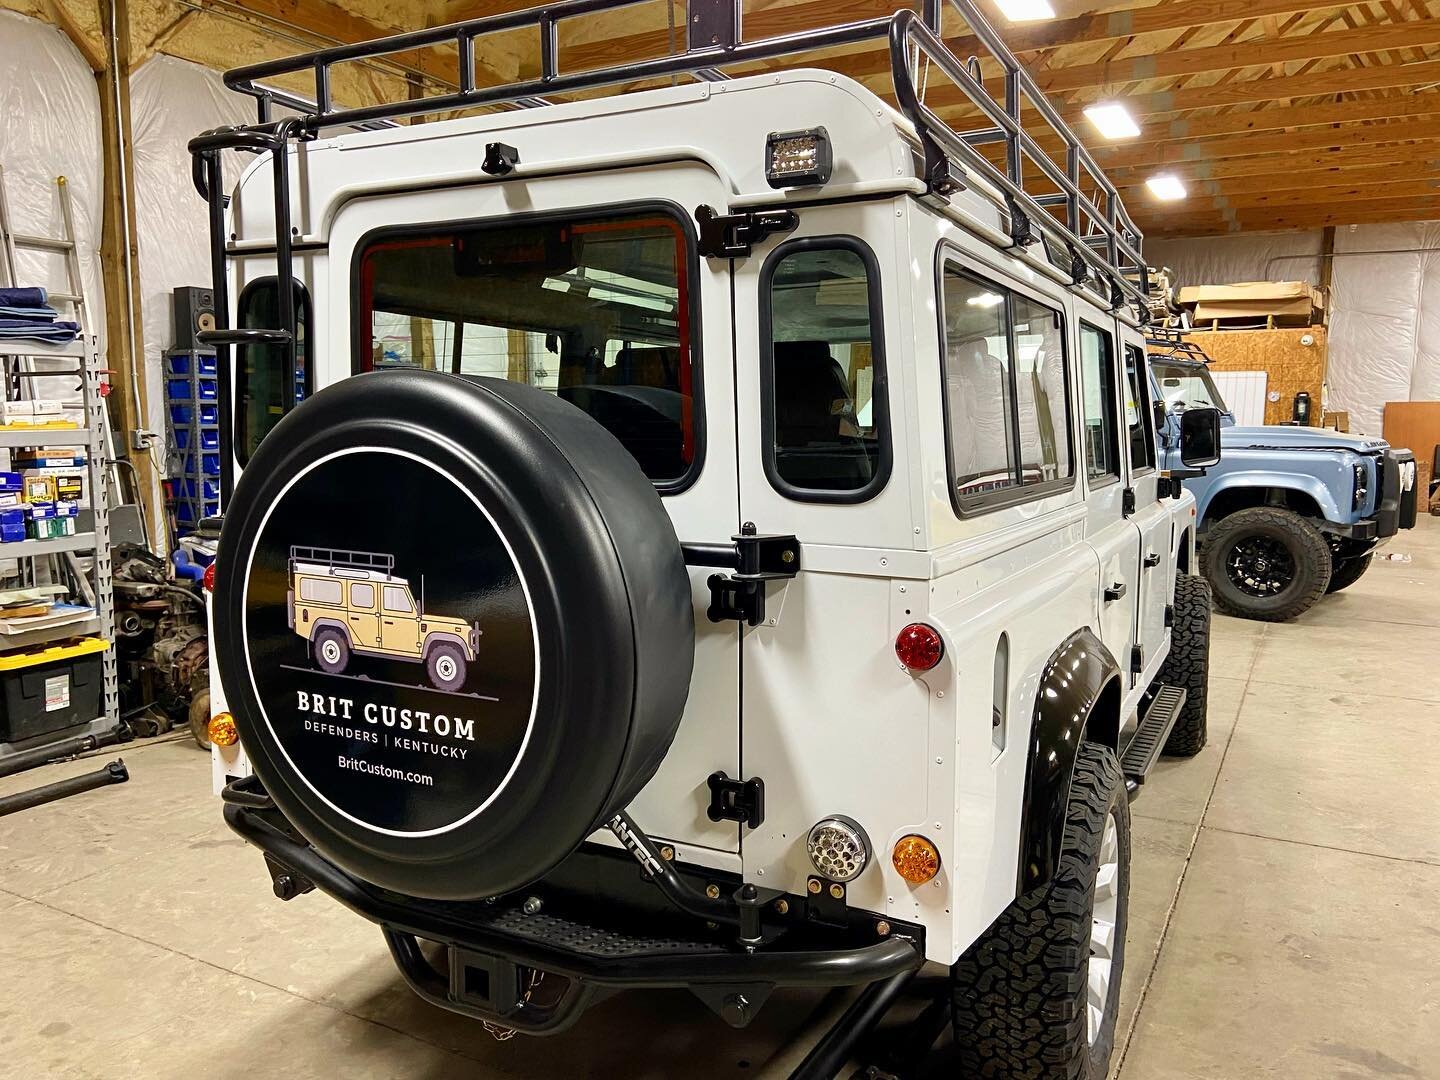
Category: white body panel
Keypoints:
(814, 700)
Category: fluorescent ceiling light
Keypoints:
(1025, 10)
(985, 300)
(1166, 187)
(1113, 121)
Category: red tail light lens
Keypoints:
(209, 579)
(919, 647)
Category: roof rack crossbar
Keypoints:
(343, 557)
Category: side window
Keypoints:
(320, 590)
(362, 594)
(397, 600)
(1097, 379)
(824, 374)
(1006, 393)
(596, 309)
(1138, 415)
(265, 389)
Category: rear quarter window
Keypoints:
(320, 591)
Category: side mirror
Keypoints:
(1200, 438)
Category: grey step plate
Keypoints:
(1144, 749)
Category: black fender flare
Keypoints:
(1076, 677)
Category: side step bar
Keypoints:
(1144, 750)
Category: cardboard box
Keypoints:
(1277, 303)
(1337, 421)
(56, 485)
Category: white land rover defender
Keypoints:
(789, 454)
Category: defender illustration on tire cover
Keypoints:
(836, 599)
(345, 602)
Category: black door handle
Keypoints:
(1115, 592)
(1152, 560)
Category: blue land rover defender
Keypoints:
(1290, 513)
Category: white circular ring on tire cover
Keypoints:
(534, 698)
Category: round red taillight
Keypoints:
(209, 579)
(919, 647)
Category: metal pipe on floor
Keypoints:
(114, 773)
(828, 1057)
(43, 755)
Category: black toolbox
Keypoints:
(51, 689)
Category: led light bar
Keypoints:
(798, 158)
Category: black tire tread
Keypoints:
(1018, 993)
(1348, 571)
(1315, 553)
(1188, 665)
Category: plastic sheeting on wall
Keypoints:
(50, 127)
(1385, 329)
(1384, 309)
(1221, 260)
(171, 102)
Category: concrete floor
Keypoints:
(1285, 905)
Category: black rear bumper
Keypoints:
(534, 965)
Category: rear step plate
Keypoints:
(1144, 749)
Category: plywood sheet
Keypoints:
(1289, 364)
(1415, 425)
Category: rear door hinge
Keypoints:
(731, 236)
(736, 800)
(1137, 659)
(1128, 502)
(755, 559)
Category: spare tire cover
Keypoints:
(454, 626)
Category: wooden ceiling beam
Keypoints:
(1133, 189)
(1311, 217)
(1396, 187)
(1420, 128)
(1396, 154)
(1240, 92)
(1181, 62)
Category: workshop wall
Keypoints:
(1384, 310)
(171, 102)
(49, 127)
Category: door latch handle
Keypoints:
(1152, 560)
(1115, 592)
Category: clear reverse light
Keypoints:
(1113, 121)
(1025, 10)
(839, 849)
(1166, 187)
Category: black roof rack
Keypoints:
(344, 558)
(1089, 238)
(1170, 342)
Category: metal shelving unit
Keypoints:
(78, 360)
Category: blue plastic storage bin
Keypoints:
(180, 364)
(205, 389)
(181, 415)
(209, 440)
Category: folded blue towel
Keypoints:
(56, 333)
(23, 297)
(44, 313)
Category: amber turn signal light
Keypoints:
(221, 730)
(916, 859)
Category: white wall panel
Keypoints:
(49, 127)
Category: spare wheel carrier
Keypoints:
(501, 510)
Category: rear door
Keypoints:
(602, 300)
(1152, 515)
(1109, 527)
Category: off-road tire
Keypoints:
(1305, 545)
(317, 647)
(1348, 571)
(1019, 993)
(1188, 665)
(434, 659)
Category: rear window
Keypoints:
(266, 387)
(824, 373)
(595, 310)
(320, 591)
